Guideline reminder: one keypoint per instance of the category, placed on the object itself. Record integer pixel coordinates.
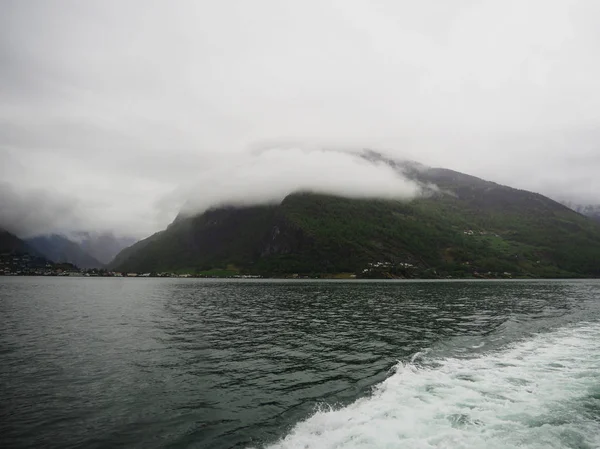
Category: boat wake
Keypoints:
(540, 393)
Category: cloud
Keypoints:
(120, 106)
(270, 175)
(36, 212)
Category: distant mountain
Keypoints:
(103, 246)
(10, 243)
(465, 226)
(589, 210)
(60, 249)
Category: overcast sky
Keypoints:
(113, 112)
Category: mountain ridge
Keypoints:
(589, 210)
(11, 244)
(102, 246)
(465, 227)
(60, 249)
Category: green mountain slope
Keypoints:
(589, 210)
(468, 227)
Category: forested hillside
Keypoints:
(465, 226)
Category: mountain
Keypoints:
(103, 246)
(60, 249)
(463, 226)
(17, 257)
(589, 210)
(11, 244)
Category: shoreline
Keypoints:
(308, 278)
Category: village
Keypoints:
(28, 265)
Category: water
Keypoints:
(185, 363)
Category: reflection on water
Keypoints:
(191, 363)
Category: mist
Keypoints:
(35, 212)
(119, 113)
(268, 176)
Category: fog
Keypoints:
(28, 213)
(114, 114)
(270, 175)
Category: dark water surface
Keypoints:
(186, 363)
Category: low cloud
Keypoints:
(120, 124)
(36, 211)
(270, 175)
(28, 213)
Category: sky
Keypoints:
(114, 114)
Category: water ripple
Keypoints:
(187, 363)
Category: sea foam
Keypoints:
(540, 393)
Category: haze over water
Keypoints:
(186, 363)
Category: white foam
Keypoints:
(532, 395)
